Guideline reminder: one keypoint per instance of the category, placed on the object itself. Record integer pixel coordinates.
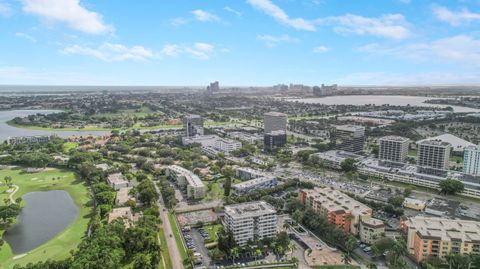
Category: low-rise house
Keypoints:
(415, 204)
(124, 213)
(123, 196)
(117, 181)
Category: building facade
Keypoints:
(393, 149)
(371, 230)
(259, 183)
(433, 156)
(349, 138)
(438, 237)
(193, 125)
(186, 179)
(274, 121)
(471, 161)
(250, 221)
(274, 140)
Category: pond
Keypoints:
(45, 215)
(7, 130)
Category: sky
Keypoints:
(240, 42)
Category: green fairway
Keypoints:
(52, 179)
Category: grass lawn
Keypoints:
(58, 247)
(165, 253)
(212, 230)
(214, 191)
(178, 236)
(67, 146)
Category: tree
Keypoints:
(234, 253)
(147, 192)
(451, 186)
(8, 180)
(396, 200)
(349, 165)
(227, 186)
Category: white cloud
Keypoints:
(273, 41)
(23, 76)
(69, 12)
(26, 36)
(455, 18)
(171, 50)
(5, 9)
(204, 16)
(457, 49)
(231, 10)
(179, 21)
(198, 50)
(392, 26)
(272, 10)
(320, 49)
(201, 51)
(109, 52)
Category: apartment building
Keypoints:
(214, 142)
(117, 181)
(438, 237)
(193, 125)
(248, 173)
(471, 161)
(349, 137)
(339, 208)
(259, 183)
(433, 156)
(250, 221)
(187, 180)
(393, 149)
(371, 230)
(40, 139)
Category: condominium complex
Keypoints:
(274, 121)
(334, 158)
(393, 149)
(117, 181)
(188, 180)
(438, 237)
(214, 142)
(433, 156)
(250, 221)
(248, 173)
(258, 183)
(193, 125)
(41, 139)
(371, 230)
(339, 208)
(349, 137)
(471, 161)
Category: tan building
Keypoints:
(123, 196)
(125, 213)
(437, 237)
(117, 181)
(371, 230)
(186, 179)
(339, 208)
(413, 203)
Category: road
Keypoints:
(175, 257)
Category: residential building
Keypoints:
(193, 125)
(186, 179)
(471, 161)
(213, 141)
(334, 158)
(250, 221)
(40, 139)
(433, 156)
(349, 137)
(213, 87)
(248, 173)
(117, 181)
(124, 213)
(371, 230)
(325, 90)
(393, 149)
(259, 183)
(438, 237)
(227, 145)
(246, 137)
(274, 140)
(123, 196)
(415, 204)
(274, 121)
(339, 208)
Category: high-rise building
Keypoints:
(274, 140)
(274, 121)
(349, 138)
(325, 90)
(393, 149)
(250, 221)
(193, 125)
(213, 87)
(471, 161)
(438, 237)
(433, 156)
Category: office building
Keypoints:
(325, 90)
(438, 237)
(349, 137)
(371, 230)
(274, 140)
(187, 180)
(274, 121)
(250, 221)
(339, 208)
(259, 183)
(214, 142)
(471, 161)
(193, 125)
(334, 158)
(247, 173)
(227, 145)
(213, 87)
(393, 149)
(433, 156)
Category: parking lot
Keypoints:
(195, 241)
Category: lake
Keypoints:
(45, 215)
(398, 100)
(7, 130)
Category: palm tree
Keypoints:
(234, 252)
(399, 249)
(258, 253)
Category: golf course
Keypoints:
(61, 244)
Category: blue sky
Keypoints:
(245, 42)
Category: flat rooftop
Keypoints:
(395, 138)
(249, 210)
(445, 229)
(275, 114)
(253, 182)
(457, 143)
(337, 201)
(192, 179)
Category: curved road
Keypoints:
(175, 257)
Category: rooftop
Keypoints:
(457, 143)
(253, 182)
(275, 114)
(334, 200)
(445, 229)
(251, 209)
(116, 178)
(395, 138)
(192, 179)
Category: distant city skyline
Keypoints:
(239, 43)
